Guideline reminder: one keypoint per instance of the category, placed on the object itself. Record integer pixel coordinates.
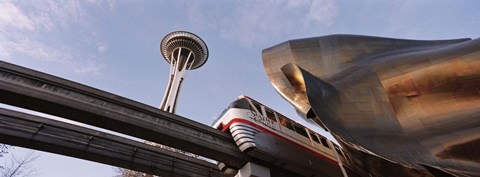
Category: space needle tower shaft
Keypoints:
(184, 51)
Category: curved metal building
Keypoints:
(399, 107)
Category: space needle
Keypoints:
(184, 51)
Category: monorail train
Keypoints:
(271, 137)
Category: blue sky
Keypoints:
(114, 46)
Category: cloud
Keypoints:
(91, 67)
(4, 51)
(322, 11)
(297, 3)
(258, 22)
(12, 17)
(37, 29)
(35, 49)
(110, 3)
(102, 47)
(400, 20)
(61, 13)
(252, 23)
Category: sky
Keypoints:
(114, 46)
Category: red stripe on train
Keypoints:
(239, 120)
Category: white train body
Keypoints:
(269, 136)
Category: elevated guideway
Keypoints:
(45, 93)
(49, 135)
(33, 90)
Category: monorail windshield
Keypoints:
(241, 103)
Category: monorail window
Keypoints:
(240, 103)
(300, 130)
(270, 114)
(314, 137)
(324, 142)
(285, 122)
(259, 108)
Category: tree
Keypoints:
(19, 167)
(122, 172)
(3, 150)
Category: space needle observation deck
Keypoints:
(184, 51)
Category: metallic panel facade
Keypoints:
(410, 104)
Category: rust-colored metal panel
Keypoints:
(409, 102)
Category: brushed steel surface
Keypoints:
(409, 102)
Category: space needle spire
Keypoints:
(184, 51)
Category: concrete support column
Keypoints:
(253, 170)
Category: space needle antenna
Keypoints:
(184, 51)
